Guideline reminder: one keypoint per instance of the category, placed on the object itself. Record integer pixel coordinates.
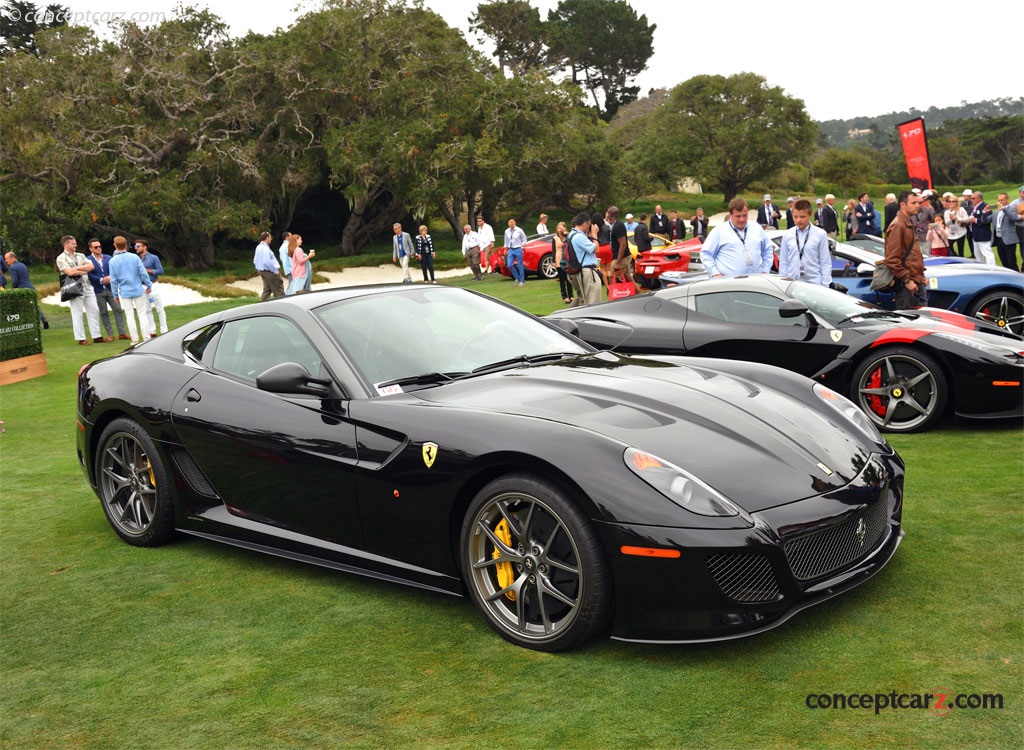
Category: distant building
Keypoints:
(855, 133)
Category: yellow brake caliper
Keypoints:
(505, 572)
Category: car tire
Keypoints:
(546, 268)
(134, 486)
(1004, 308)
(534, 564)
(901, 389)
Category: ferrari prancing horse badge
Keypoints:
(429, 453)
(836, 335)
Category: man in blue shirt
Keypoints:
(737, 248)
(20, 280)
(282, 253)
(804, 254)
(155, 270)
(99, 277)
(515, 238)
(585, 251)
(129, 280)
(269, 269)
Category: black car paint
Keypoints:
(649, 324)
(342, 481)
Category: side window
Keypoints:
(247, 347)
(749, 308)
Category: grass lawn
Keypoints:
(199, 645)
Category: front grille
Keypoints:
(822, 552)
(744, 576)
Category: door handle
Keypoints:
(192, 396)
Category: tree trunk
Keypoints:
(450, 208)
(348, 245)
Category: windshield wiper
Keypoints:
(879, 314)
(424, 378)
(522, 359)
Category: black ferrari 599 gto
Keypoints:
(436, 437)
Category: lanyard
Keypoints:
(742, 237)
(799, 247)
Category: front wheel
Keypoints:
(546, 268)
(1003, 308)
(534, 565)
(900, 389)
(134, 486)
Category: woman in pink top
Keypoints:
(938, 235)
(299, 266)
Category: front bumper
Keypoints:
(733, 583)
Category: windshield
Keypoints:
(830, 305)
(392, 336)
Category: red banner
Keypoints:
(915, 151)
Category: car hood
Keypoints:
(953, 270)
(753, 443)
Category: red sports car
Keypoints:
(664, 255)
(539, 257)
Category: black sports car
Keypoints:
(902, 368)
(437, 437)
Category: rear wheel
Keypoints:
(1003, 308)
(134, 486)
(546, 268)
(900, 389)
(534, 565)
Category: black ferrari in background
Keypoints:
(904, 369)
(436, 437)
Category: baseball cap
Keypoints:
(629, 216)
(968, 191)
(927, 193)
(819, 201)
(767, 197)
(916, 191)
(790, 199)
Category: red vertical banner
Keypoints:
(915, 151)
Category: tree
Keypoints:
(20, 21)
(726, 132)
(604, 44)
(848, 169)
(517, 31)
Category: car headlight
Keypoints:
(849, 410)
(680, 486)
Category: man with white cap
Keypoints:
(630, 223)
(789, 212)
(923, 220)
(767, 214)
(817, 212)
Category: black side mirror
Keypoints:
(291, 377)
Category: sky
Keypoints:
(831, 55)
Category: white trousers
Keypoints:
(140, 305)
(404, 262)
(87, 304)
(158, 305)
(984, 249)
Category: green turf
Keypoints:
(199, 645)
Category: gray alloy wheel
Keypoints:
(534, 565)
(900, 389)
(1003, 308)
(546, 268)
(133, 485)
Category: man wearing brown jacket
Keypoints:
(903, 256)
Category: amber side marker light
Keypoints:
(650, 551)
(1011, 383)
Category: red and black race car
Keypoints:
(904, 369)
